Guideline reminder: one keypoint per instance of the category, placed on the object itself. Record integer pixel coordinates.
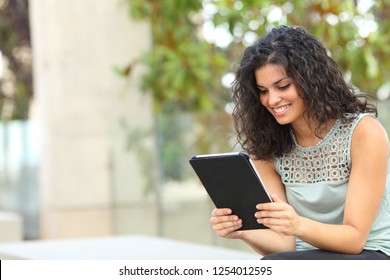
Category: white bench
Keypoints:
(11, 227)
(132, 247)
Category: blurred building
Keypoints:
(87, 162)
(80, 103)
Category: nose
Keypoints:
(273, 98)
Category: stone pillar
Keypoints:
(79, 101)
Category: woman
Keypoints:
(320, 151)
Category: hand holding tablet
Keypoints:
(232, 182)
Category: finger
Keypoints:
(223, 219)
(272, 206)
(227, 225)
(274, 222)
(224, 229)
(226, 233)
(271, 223)
(270, 214)
(267, 206)
(221, 212)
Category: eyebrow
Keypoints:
(276, 82)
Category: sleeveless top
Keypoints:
(316, 181)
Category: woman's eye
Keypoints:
(284, 87)
(262, 91)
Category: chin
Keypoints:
(283, 121)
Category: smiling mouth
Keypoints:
(281, 109)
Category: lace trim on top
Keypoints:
(327, 161)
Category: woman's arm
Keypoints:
(264, 241)
(369, 155)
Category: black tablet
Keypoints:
(232, 182)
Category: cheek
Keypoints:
(293, 94)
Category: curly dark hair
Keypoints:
(318, 80)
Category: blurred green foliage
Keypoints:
(184, 70)
(16, 89)
(196, 43)
(356, 34)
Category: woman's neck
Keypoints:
(305, 132)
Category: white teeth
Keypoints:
(281, 109)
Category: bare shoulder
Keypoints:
(370, 135)
(369, 128)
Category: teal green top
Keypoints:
(316, 182)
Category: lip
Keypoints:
(280, 110)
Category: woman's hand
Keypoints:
(278, 216)
(225, 224)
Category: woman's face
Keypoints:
(279, 95)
